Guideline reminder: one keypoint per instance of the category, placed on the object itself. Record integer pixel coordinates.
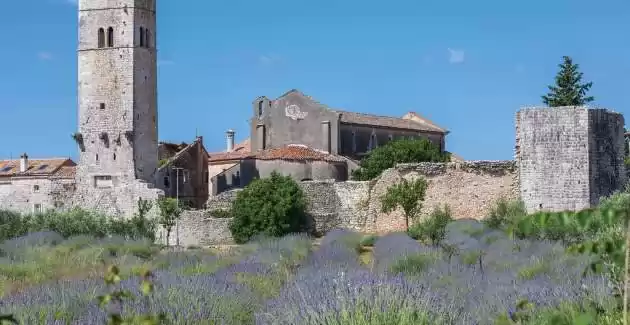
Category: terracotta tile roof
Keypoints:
(297, 153)
(241, 151)
(36, 167)
(65, 172)
(387, 122)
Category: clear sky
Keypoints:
(467, 65)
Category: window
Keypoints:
(101, 38)
(167, 182)
(114, 156)
(101, 105)
(37, 208)
(206, 177)
(96, 157)
(260, 108)
(104, 181)
(110, 37)
(141, 36)
(35, 188)
(354, 141)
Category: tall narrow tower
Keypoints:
(117, 94)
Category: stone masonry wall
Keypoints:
(469, 188)
(20, 194)
(568, 157)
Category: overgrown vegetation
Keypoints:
(273, 206)
(396, 152)
(170, 212)
(433, 228)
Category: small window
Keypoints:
(110, 37)
(114, 156)
(260, 108)
(96, 157)
(101, 105)
(101, 38)
(35, 188)
(141, 36)
(206, 177)
(103, 181)
(167, 182)
(354, 142)
(37, 208)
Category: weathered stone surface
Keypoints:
(198, 228)
(568, 157)
(469, 188)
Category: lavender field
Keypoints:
(477, 276)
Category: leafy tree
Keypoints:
(396, 152)
(406, 194)
(169, 213)
(569, 89)
(273, 206)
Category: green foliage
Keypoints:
(369, 240)
(396, 152)
(273, 206)
(412, 265)
(169, 213)
(406, 194)
(505, 212)
(569, 89)
(76, 222)
(433, 228)
(162, 162)
(117, 297)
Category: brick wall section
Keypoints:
(568, 157)
(469, 188)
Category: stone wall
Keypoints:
(568, 156)
(469, 188)
(198, 228)
(25, 193)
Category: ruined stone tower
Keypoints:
(117, 94)
(568, 157)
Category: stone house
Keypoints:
(35, 185)
(183, 172)
(325, 143)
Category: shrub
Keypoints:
(368, 240)
(505, 212)
(406, 194)
(396, 152)
(272, 206)
(432, 229)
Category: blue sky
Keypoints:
(467, 65)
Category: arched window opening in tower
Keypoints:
(260, 108)
(141, 37)
(110, 37)
(101, 38)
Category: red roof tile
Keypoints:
(241, 151)
(297, 153)
(65, 172)
(36, 167)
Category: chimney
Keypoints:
(230, 140)
(23, 162)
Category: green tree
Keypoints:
(406, 194)
(396, 152)
(169, 213)
(569, 89)
(273, 206)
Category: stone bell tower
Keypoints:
(117, 102)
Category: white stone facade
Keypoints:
(117, 90)
(33, 194)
